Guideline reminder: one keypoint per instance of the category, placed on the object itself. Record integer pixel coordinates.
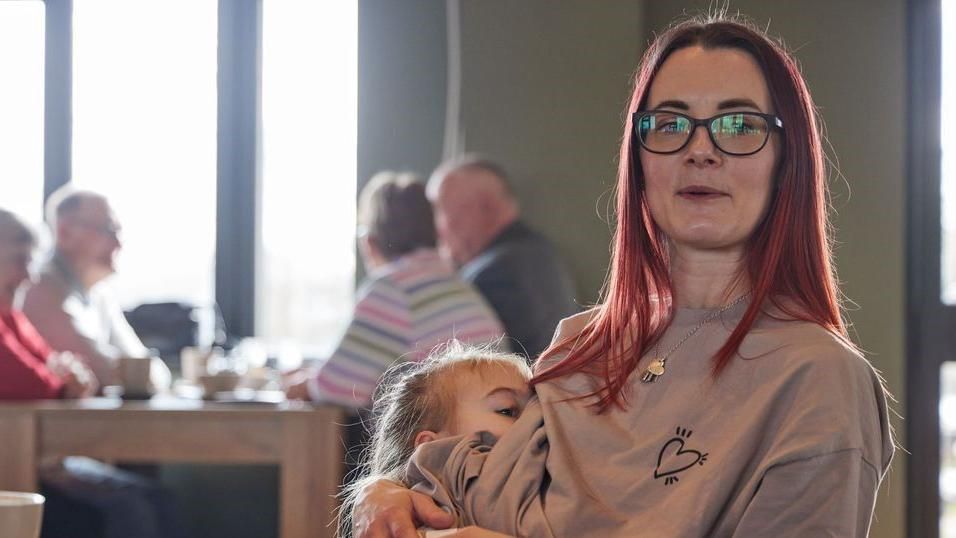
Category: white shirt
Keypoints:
(88, 323)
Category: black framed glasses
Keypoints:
(734, 133)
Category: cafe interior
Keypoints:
(232, 138)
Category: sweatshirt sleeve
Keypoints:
(830, 446)
(30, 338)
(495, 484)
(827, 495)
(445, 469)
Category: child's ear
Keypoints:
(425, 436)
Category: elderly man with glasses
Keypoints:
(66, 304)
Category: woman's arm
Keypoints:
(829, 453)
(466, 532)
(385, 509)
(24, 375)
(827, 495)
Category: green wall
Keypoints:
(557, 138)
(401, 85)
(544, 86)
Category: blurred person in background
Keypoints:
(29, 368)
(67, 304)
(411, 302)
(85, 498)
(516, 268)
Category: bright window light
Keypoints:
(947, 373)
(309, 119)
(144, 134)
(948, 138)
(21, 108)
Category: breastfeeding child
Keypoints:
(459, 401)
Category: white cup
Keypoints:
(20, 514)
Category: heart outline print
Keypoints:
(679, 458)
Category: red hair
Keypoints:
(787, 258)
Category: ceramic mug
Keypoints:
(20, 514)
(134, 376)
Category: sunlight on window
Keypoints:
(144, 134)
(947, 436)
(21, 108)
(309, 102)
(948, 137)
(947, 374)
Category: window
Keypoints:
(309, 119)
(931, 269)
(947, 426)
(948, 139)
(947, 407)
(144, 134)
(185, 126)
(21, 108)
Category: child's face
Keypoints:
(489, 399)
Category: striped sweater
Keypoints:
(404, 310)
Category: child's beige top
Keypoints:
(791, 440)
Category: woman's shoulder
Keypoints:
(413, 268)
(837, 387)
(781, 336)
(573, 325)
(567, 329)
(809, 352)
(421, 269)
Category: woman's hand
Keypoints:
(384, 509)
(466, 532)
(296, 384)
(78, 379)
(77, 387)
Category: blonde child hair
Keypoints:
(413, 397)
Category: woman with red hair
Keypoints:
(714, 391)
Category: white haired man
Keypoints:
(66, 304)
(516, 268)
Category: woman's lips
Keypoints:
(700, 192)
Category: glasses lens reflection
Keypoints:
(739, 133)
(736, 133)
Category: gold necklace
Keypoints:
(656, 368)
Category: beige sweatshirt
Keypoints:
(791, 440)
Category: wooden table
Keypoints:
(304, 441)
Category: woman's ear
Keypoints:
(425, 436)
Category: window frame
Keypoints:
(237, 142)
(930, 339)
